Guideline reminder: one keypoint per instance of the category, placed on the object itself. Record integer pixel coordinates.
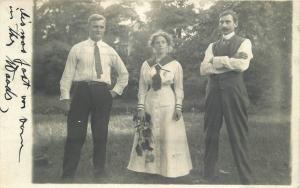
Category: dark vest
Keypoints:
(229, 79)
(227, 48)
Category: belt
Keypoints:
(92, 82)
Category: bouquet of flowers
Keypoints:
(145, 138)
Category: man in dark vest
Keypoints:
(226, 97)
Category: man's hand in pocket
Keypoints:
(113, 94)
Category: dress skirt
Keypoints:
(170, 146)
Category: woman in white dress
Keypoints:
(164, 149)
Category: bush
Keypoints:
(49, 64)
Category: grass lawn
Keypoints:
(269, 151)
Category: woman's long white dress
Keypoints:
(171, 151)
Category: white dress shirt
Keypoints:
(222, 64)
(80, 66)
(171, 73)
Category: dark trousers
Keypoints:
(228, 101)
(88, 98)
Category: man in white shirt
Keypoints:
(224, 63)
(88, 71)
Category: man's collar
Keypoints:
(228, 36)
(93, 42)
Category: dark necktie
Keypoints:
(97, 61)
(156, 79)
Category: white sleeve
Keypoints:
(122, 79)
(236, 64)
(207, 68)
(178, 86)
(68, 74)
(143, 87)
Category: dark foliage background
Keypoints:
(59, 24)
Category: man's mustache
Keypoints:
(224, 29)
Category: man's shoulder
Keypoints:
(243, 40)
(108, 49)
(238, 37)
(105, 45)
(79, 44)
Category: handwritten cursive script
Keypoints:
(23, 101)
(16, 70)
(22, 127)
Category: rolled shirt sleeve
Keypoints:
(122, 79)
(68, 74)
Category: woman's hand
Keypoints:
(141, 115)
(177, 114)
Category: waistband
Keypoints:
(92, 82)
(226, 75)
(163, 87)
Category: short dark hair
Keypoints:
(230, 12)
(95, 17)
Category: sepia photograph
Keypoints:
(158, 92)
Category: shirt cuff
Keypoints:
(118, 90)
(64, 96)
(178, 103)
(141, 100)
(140, 107)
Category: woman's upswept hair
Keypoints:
(164, 34)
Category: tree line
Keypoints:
(59, 24)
